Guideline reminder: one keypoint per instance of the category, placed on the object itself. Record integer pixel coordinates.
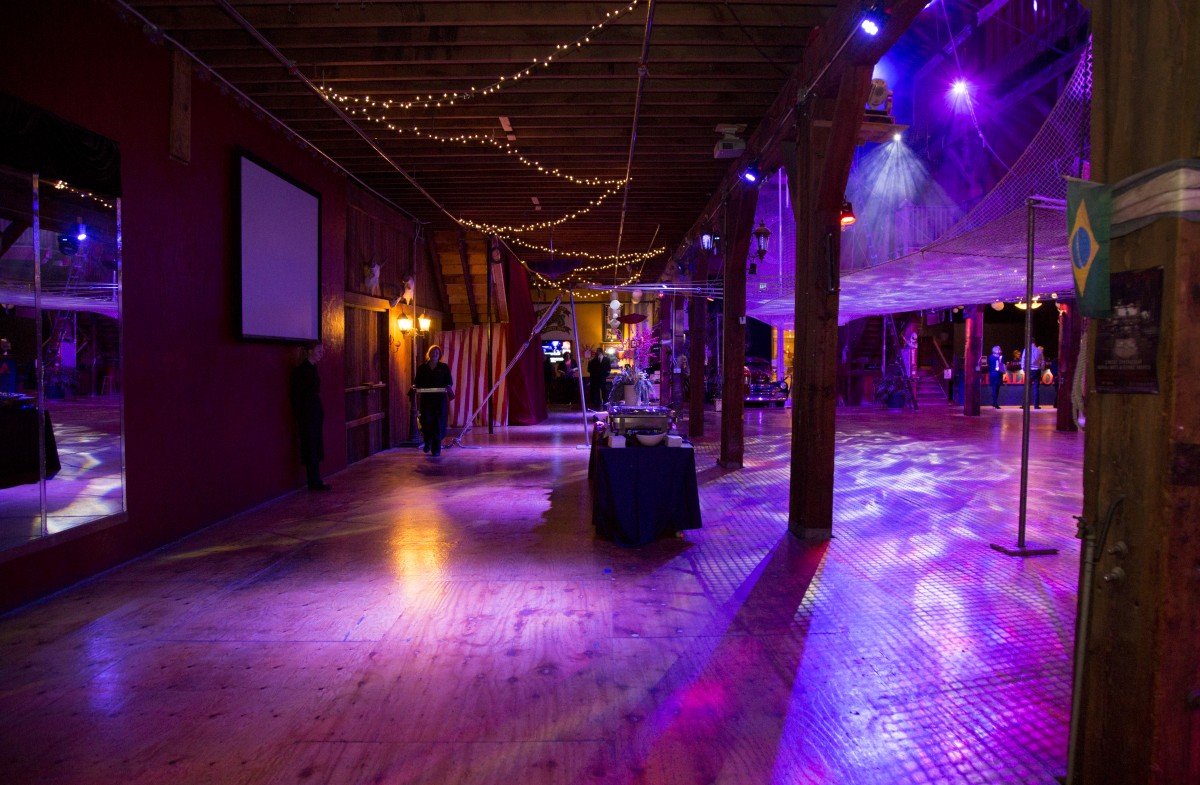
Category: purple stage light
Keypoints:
(869, 27)
(960, 88)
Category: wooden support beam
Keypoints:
(1139, 722)
(1070, 331)
(464, 257)
(972, 351)
(739, 222)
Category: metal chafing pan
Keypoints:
(644, 419)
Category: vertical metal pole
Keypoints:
(587, 433)
(1026, 356)
(490, 371)
(39, 358)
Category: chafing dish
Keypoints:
(639, 419)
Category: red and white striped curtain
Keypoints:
(465, 351)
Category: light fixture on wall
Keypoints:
(424, 323)
(404, 324)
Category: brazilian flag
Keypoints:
(1089, 212)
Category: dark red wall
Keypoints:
(207, 424)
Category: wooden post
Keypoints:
(1070, 329)
(1139, 722)
(740, 221)
(818, 188)
(697, 337)
(972, 351)
(666, 312)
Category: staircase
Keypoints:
(930, 387)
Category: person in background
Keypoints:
(996, 374)
(433, 406)
(596, 377)
(310, 416)
(1034, 368)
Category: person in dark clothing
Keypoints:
(996, 374)
(597, 373)
(433, 406)
(310, 416)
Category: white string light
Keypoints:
(449, 98)
(615, 261)
(60, 185)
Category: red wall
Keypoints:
(207, 424)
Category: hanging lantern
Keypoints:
(761, 235)
(615, 305)
(636, 295)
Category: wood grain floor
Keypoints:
(454, 620)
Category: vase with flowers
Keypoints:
(632, 387)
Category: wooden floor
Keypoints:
(453, 620)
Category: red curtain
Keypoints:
(526, 384)
(465, 351)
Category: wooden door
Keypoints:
(366, 382)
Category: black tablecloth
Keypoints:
(19, 446)
(642, 493)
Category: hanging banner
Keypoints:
(1089, 210)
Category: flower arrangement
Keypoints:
(635, 356)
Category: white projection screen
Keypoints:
(279, 244)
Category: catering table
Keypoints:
(19, 445)
(640, 494)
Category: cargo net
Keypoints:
(937, 258)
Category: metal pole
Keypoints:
(587, 433)
(490, 371)
(1026, 357)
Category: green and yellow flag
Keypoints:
(1089, 212)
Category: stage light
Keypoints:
(873, 20)
(752, 174)
(67, 245)
(960, 88)
(81, 231)
(847, 216)
(896, 137)
(706, 241)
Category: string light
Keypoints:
(615, 261)
(507, 231)
(449, 98)
(505, 147)
(62, 186)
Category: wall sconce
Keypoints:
(424, 323)
(404, 324)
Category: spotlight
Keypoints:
(706, 241)
(873, 20)
(67, 245)
(847, 216)
(81, 233)
(896, 137)
(959, 87)
(752, 173)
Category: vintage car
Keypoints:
(759, 385)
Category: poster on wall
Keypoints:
(1127, 341)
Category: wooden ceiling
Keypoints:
(706, 63)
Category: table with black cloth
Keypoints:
(640, 494)
(19, 440)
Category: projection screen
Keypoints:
(279, 254)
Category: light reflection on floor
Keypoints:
(453, 620)
(87, 434)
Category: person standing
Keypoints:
(1033, 367)
(434, 407)
(996, 374)
(310, 416)
(597, 373)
